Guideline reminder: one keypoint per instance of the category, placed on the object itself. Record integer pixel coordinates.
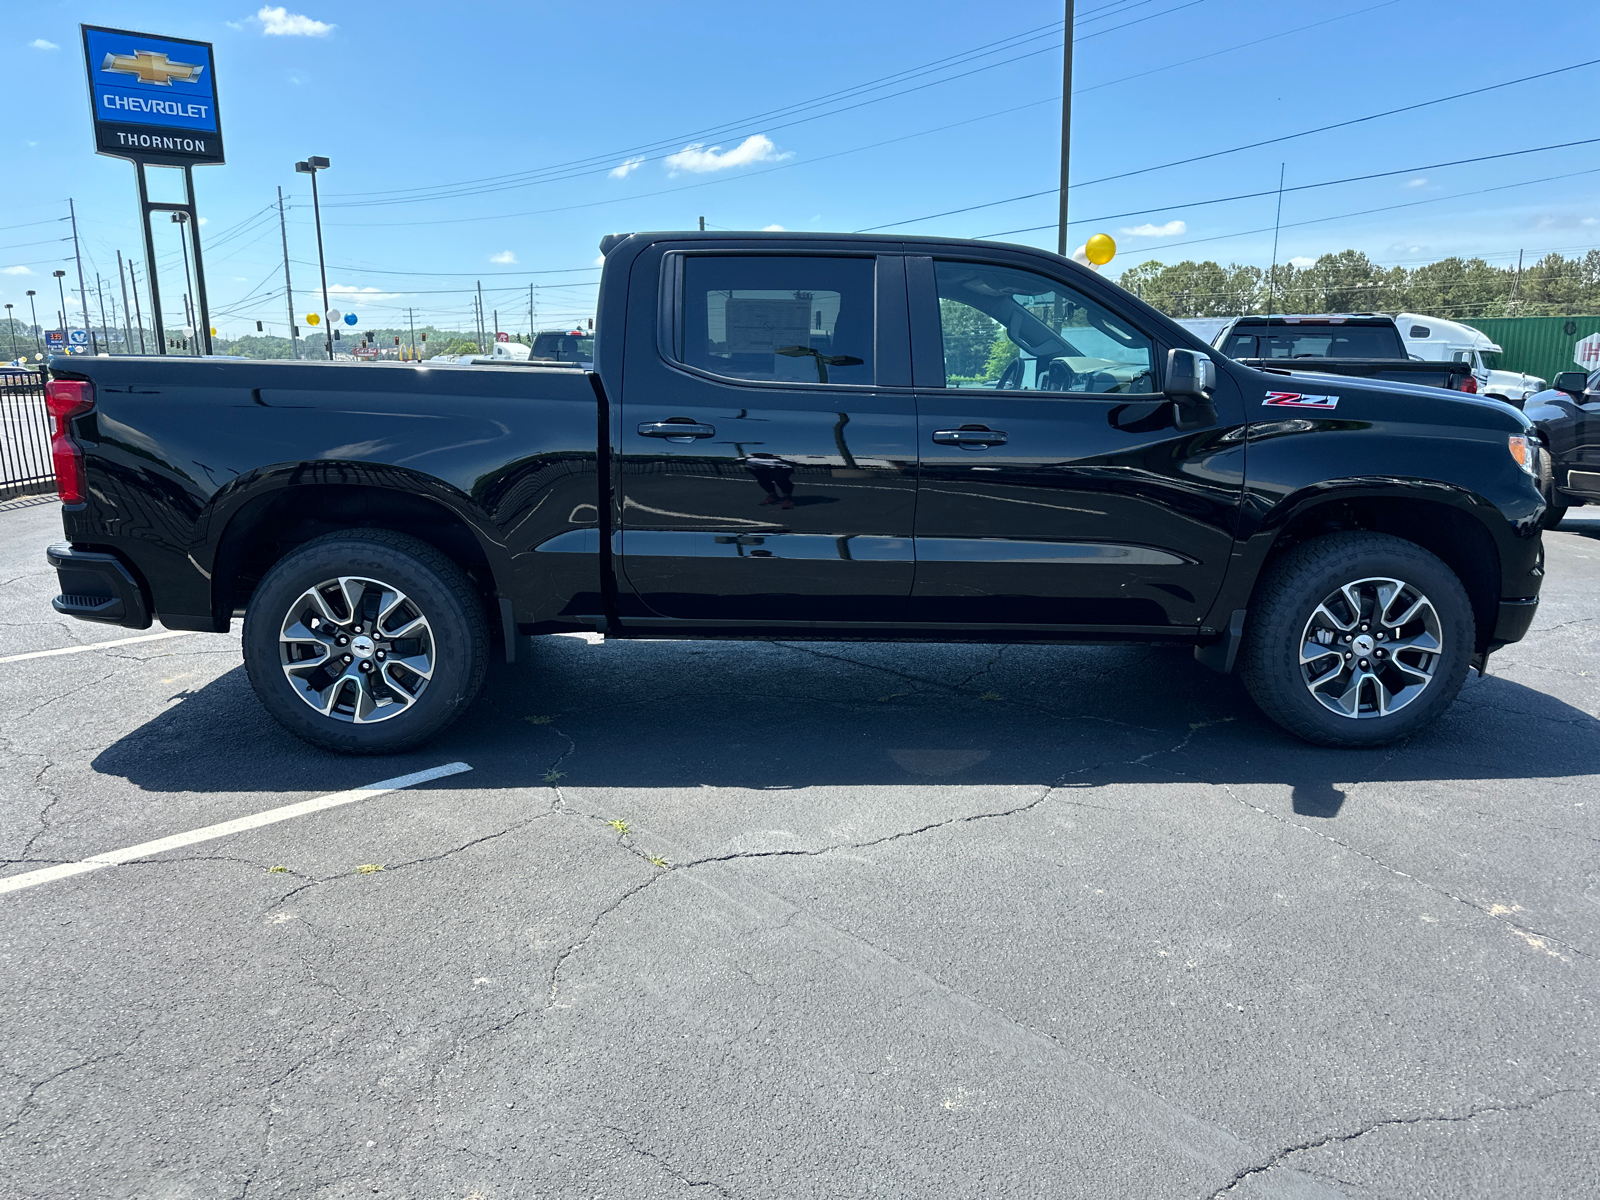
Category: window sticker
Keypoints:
(1299, 400)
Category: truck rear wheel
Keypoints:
(1357, 639)
(368, 642)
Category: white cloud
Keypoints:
(772, 229)
(15, 271)
(1170, 229)
(504, 257)
(348, 297)
(699, 160)
(599, 260)
(1591, 221)
(280, 22)
(1300, 260)
(623, 169)
(204, 221)
(41, 44)
(1420, 181)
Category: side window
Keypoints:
(1010, 329)
(1241, 345)
(778, 319)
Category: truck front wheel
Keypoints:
(368, 642)
(1357, 639)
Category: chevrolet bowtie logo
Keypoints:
(151, 67)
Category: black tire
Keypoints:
(451, 643)
(1287, 614)
(1554, 511)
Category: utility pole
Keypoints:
(181, 219)
(532, 332)
(101, 293)
(62, 292)
(127, 313)
(138, 309)
(495, 332)
(703, 220)
(1066, 127)
(13, 321)
(82, 295)
(481, 349)
(288, 284)
(411, 317)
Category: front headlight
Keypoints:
(1526, 453)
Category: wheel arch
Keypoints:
(1443, 522)
(260, 524)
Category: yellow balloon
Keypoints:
(213, 331)
(313, 319)
(1100, 249)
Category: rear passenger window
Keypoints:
(778, 318)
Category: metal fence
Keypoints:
(25, 466)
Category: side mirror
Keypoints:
(1571, 382)
(1190, 376)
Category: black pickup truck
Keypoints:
(804, 437)
(1359, 345)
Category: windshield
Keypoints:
(1489, 359)
(565, 347)
(1315, 341)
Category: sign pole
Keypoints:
(199, 266)
(150, 273)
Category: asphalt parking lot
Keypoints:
(784, 920)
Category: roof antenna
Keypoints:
(1272, 276)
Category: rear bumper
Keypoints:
(97, 586)
(1513, 620)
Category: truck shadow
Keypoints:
(769, 716)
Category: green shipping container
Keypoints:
(1544, 346)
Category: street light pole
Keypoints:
(310, 167)
(1066, 127)
(37, 345)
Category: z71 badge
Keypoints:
(1297, 400)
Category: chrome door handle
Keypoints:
(676, 430)
(970, 437)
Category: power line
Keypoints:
(1303, 187)
(1236, 149)
(584, 167)
(1369, 211)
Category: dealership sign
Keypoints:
(155, 98)
(1587, 352)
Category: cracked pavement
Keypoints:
(770, 920)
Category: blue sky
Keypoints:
(592, 118)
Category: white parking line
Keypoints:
(148, 637)
(273, 815)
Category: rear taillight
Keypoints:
(1469, 384)
(67, 399)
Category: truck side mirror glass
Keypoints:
(1570, 382)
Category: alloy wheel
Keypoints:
(1371, 648)
(357, 649)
